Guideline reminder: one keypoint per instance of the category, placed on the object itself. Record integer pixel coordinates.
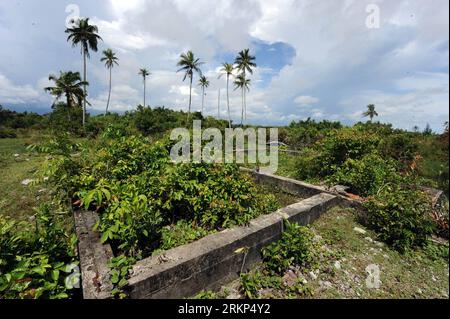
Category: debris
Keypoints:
(312, 275)
(27, 181)
(325, 284)
(317, 238)
(368, 239)
(378, 243)
(289, 278)
(359, 230)
(337, 264)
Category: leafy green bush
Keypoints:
(7, 132)
(366, 175)
(181, 233)
(399, 147)
(253, 282)
(35, 260)
(400, 216)
(307, 164)
(137, 192)
(296, 247)
(340, 145)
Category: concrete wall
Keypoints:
(218, 258)
(94, 257)
(209, 262)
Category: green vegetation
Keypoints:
(337, 262)
(119, 167)
(36, 257)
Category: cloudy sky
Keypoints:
(316, 58)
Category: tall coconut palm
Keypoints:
(69, 85)
(242, 83)
(245, 63)
(203, 83)
(109, 57)
(144, 73)
(371, 113)
(189, 64)
(85, 35)
(227, 69)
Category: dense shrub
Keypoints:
(399, 147)
(35, 260)
(296, 247)
(365, 176)
(7, 132)
(340, 145)
(306, 133)
(307, 164)
(400, 216)
(137, 191)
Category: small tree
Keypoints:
(189, 64)
(109, 57)
(144, 73)
(203, 83)
(371, 113)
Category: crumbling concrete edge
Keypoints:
(94, 257)
(219, 258)
(303, 189)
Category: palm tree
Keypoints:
(109, 57)
(245, 63)
(371, 113)
(227, 69)
(189, 64)
(244, 84)
(144, 72)
(86, 36)
(69, 85)
(204, 83)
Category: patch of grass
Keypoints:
(422, 273)
(16, 164)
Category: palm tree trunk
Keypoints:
(242, 107)
(245, 106)
(144, 92)
(109, 94)
(203, 97)
(190, 98)
(190, 95)
(84, 87)
(228, 102)
(68, 108)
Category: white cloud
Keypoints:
(11, 93)
(305, 100)
(339, 63)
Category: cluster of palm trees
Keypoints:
(243, 64)
(85, 35)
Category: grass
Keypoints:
(16, 164)
(341, 270)
(423, 273)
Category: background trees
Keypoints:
(371, 113)
(109, 57)
(203, 83)
(144, 73)
(245, 63)
(70, 86)
(189, 64)
(85, 35)
(227, 69)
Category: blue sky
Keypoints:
(315, 58)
